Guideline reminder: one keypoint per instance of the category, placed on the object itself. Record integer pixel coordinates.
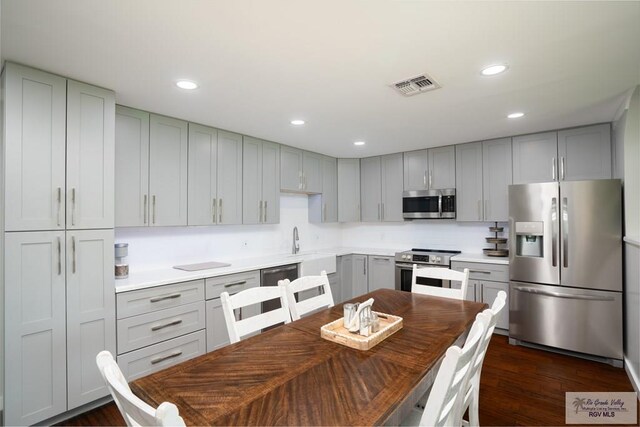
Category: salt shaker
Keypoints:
(375, 323)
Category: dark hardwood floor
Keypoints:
(519, 386)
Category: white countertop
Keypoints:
(479, 257)
(165, 276)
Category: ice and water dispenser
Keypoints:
(530, 239)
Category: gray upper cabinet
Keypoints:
(483, 176)
(415, 170)
(91, 323)
(535, 158)
(496, 178)
(381, 272)
(229, 178)
(35, 107)
(260, 182)
(167, 171)
(469, 198)
(132, 167)
(324, 207)
(215, 176)
(90, 156)
(203, 175)
(442, 167)
(312, 172)
(370, 189)
(585, 153)
(35, 332)
(348, 190)
(392, 186)
(290, 169)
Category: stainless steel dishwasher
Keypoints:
(271, 276)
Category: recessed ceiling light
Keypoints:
(515, 115)
(358, 143)
(297, 122)
(492, 70)
(186, 84)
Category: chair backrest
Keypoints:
(442, 274)
(239, 328)
(134, 411)
(300, 308)
(444, 405)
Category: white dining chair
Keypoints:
(446, 397)
(440, 274)
(316, 302)
(472, 395)
(238, 328)
(134, 411)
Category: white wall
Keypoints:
(631, 121)
(151, 248)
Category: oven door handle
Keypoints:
(404, 265)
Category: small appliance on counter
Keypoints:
(497, 241)
(121, 252)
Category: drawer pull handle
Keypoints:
(163, 358)
(166, 297)
(166, 325)
(480, 271)
(228, 285)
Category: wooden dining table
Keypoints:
(289, 375)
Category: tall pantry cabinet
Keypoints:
(57, 218)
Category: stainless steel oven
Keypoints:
(422, 258)
(426, 204)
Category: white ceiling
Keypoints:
(262, 63)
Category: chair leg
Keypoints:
(474, 407)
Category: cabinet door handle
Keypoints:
(220, 211)
(430, 179)
(380, 258)
(165, 297)
(382, 210)
(73, 255)
(486, 209)
(166, 325)
(364, 264)
(144, 211)
(480, 271)
(59, 256)
(378, 211)
(562, 168)
(163, 358)
(153, 202)
(242, 282)
(59, 204)
(261, 215)
(265, 211)
(73, 206)
(553, 168)
(424, 179)
(213, 211)
(324, 212)
(300, 180)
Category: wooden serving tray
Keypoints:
(336, 332)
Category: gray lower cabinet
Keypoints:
(483, 176)
(359, 281)
(335, 281)
(585, 153)
(167, 171)
(217, 335)
(348, 190)
(324, 207)
(381, 272)
(344, 267)
(160, 326)
(132, 167)
(485, 281)
(215, 176)
(60, 313)
(442, 167)
(260, 182)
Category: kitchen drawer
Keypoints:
(158, 298)
(151, 328)
(232, 283)
(483, 271)
(145, 361)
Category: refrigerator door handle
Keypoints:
(561, 295)
(554, 232)
(565, 233)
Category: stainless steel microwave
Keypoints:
(426, 204)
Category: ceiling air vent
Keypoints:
(415, 85)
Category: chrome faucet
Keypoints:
(296, 245)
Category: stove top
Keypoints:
(436, 257)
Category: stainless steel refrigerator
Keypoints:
(565, 266)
